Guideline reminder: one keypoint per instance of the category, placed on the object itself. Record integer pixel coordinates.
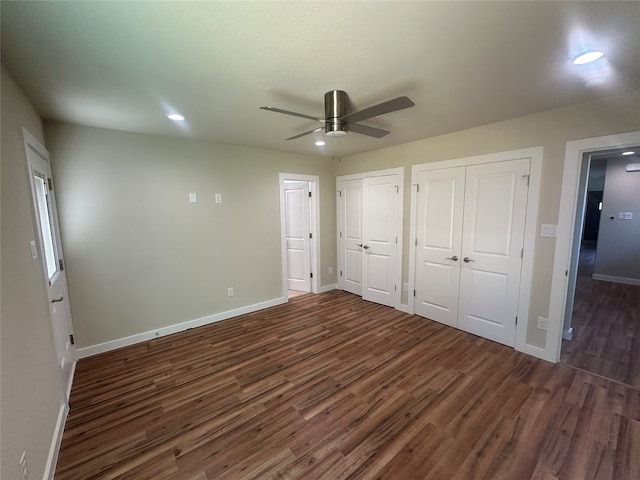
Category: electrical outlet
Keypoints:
(230, 292)
(24, 471)
(542, 323)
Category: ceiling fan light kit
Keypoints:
(339, 120)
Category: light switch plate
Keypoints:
(547, 230)
(218, 198)
(34, 249)
(625, 215)
(193, 197)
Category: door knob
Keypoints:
(363, 246)
(454, 258)
(56, 300)
(467, 260)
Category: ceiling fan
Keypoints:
(339, 120)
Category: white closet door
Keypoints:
(438, 243)
(492, 241)
(297, 229)
(350, 219)
(380, 236)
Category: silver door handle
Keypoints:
(56, 300)
(454, 258)
(467, 260)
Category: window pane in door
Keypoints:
(45, 225)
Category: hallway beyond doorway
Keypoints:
(606, 326)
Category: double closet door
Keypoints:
(469, 244)
(369, 247)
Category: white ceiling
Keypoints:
(123, 65)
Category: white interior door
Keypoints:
(492, 242)
(297, 235)
(440, 200)
(49, 250)
(380, 236)
(350, 236)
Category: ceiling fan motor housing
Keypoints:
(336, 105)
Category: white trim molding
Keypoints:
(574, 152)
(534, 154)
(56, 441)
(179, 327)
(613, 279)
(314, 225)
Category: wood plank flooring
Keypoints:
(606, 324)
(332, 387)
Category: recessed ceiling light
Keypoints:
(175, 116)
(320, 143)
(628, 153)
(588, 57)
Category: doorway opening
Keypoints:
(601, 331)
(300, 230)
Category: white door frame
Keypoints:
(34, 148)
(535, 173)
(574, 152)
(314, 225)
(378, 173)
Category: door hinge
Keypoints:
(340, 272)
(414, 293)
(395, 288)
(417, 187)
(340, 234)
(50, 183)
(309, 194)
(416, 242)
(516, 320)
(73, 341)
(61, 264)
(527, 177)
(310, 235)
(340, 193)
(522, 253)
(396, 239)
(311, 275)
(397, 188)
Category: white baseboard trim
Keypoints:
(328, 288)
(404, 308)
(534, 351)
(610, 278)
(56, 441)
(179, 327)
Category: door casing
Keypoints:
(395, 299)
(535, 156)
(60, 310)
(314, 226)
(565, 248)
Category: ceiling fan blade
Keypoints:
(305, 133)
(370, 131)
(379, 109)
(287, 112)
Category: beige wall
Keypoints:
(139, 257)
(551, 130)
(618, 249)
(30, 378)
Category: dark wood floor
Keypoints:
(606, 324)
(332, 387)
